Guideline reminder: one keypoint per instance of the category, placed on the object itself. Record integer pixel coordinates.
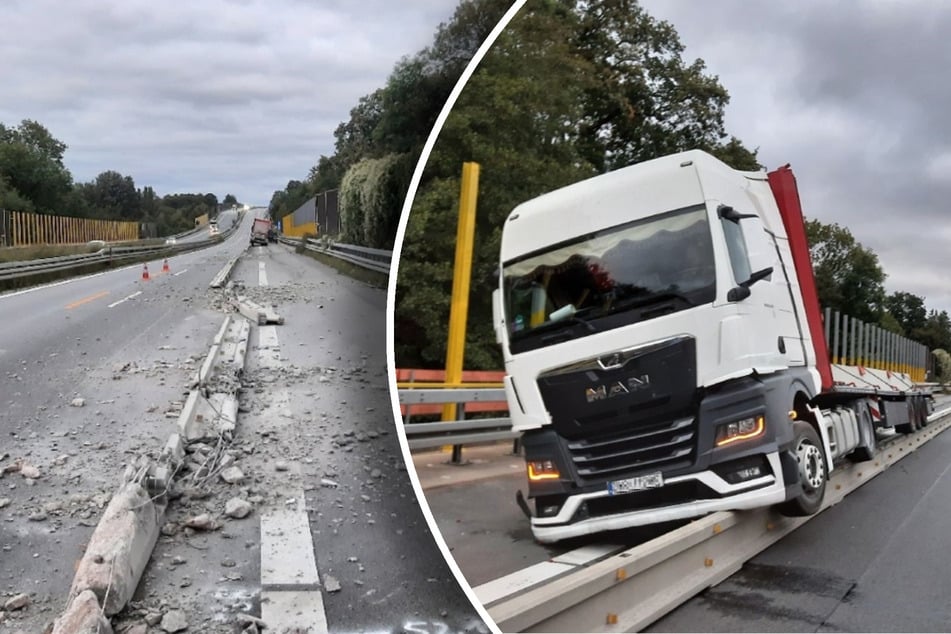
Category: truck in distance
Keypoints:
(259, 231)
(666, 355)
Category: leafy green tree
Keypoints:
(570, 89)
(908, 309)
(942, 362)
(31, 167)
(229, 200)
(115, 196)
(848, 276)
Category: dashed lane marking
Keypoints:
(269, 348)
(291, 599)
(262, 274)
(179, 273)
(125, 299)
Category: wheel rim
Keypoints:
(811, 469)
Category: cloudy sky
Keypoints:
(857, 97)
(221, 96)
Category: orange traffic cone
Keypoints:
(165, 268)
(145, 271)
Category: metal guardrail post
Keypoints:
(456, 458)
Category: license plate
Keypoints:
(637, 483)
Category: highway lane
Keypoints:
(368, 531)
(314, 397)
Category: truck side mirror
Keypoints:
(741, 292)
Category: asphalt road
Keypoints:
(877, 562)
(313, 393)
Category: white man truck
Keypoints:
(666, 355)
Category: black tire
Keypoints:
(869, 445)
(813, 472)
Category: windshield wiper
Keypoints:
(554, 325)
(655, 298)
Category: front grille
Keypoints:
(643, 449)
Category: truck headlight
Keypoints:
(743, 429)
(542, 470)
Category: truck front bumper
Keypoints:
(571, 521)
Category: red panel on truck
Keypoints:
(783, 183)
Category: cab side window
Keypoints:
(736, 245)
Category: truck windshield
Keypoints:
(604, 280)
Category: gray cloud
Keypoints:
(226, 96)
(854, 96)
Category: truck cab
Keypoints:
(657, 349)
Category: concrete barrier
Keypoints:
(83, 616)
(119, 548)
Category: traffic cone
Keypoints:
(145, 271)
(165, 268)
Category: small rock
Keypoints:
(29, 471)
(4, 502)
(331, 584)
(237, 508)
(138, 628)
(328, 483)
(376, 473)
(203, 522)
(16, 603)
(174, 621)
(153, 618)
(78, 402)
(39, 516)
(232, 475)
(168, 529)
(280, 465)
(228, 563)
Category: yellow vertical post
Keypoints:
(465, 238)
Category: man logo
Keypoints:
(604, 392)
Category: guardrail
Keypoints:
(458, 432)
(371, 259)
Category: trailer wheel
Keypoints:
(812, 472)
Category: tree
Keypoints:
(31, 167)
(570, 89)
(229, 200)
(642, 98)
(848, 276)
(115, 196)
(908, 309)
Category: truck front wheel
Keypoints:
(812, 472)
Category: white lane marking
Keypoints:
(294, 611)
(291, 599)
(125, 299)
(287, 550)
(179, 273)
(262, 274)
(269, 348)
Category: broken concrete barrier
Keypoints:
(119, 548)
(83, 616)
